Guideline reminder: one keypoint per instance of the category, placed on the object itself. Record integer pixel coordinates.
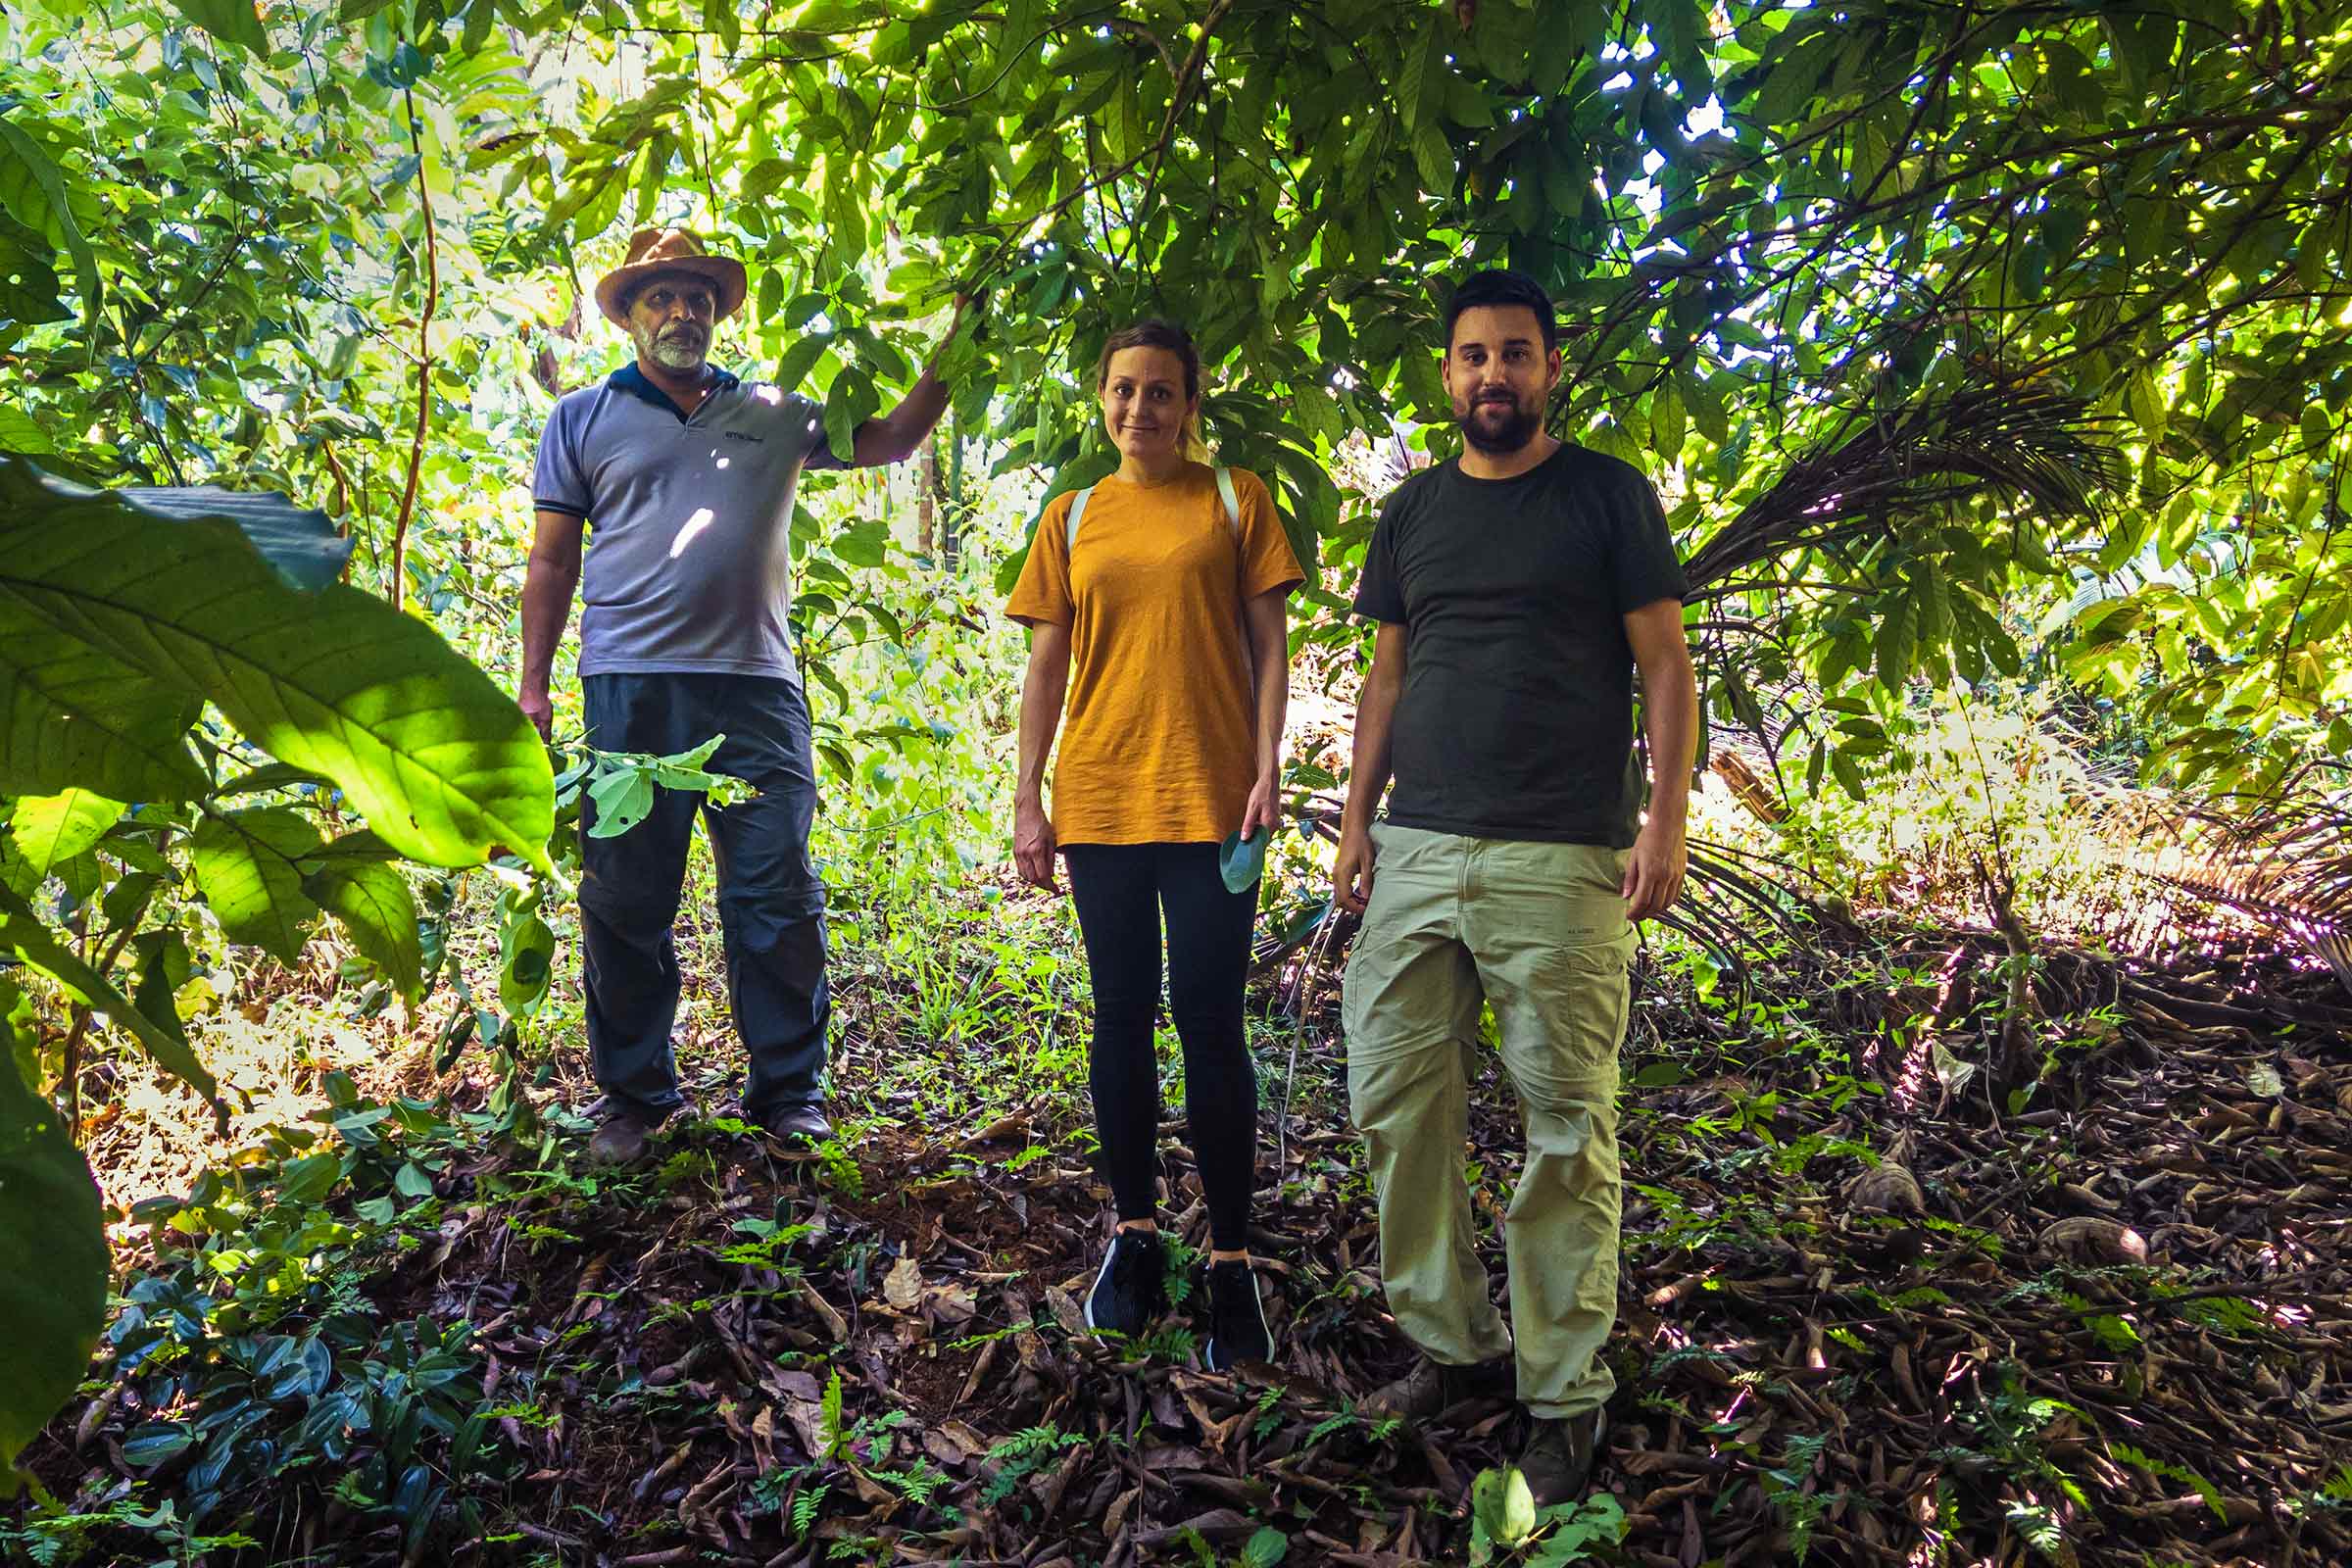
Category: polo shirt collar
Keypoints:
(637, 384)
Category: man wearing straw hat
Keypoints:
(683, 475)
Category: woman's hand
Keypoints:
(1265, 806)
(1033, 841)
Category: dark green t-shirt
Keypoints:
(1517, 716)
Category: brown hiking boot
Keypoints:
(619, 1138)
(1431, 1387)
(1557, 1460)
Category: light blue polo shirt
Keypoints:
(689, 520)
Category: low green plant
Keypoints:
(1507, 1526)
(53, 1535)
(1022, 1456)
(1265, 1549)
(264, 1373)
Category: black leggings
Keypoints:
(1120, 890)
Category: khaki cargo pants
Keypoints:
(1538, 931)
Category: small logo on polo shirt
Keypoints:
(740, 435)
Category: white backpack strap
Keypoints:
(1232, 502)
(1078, 510)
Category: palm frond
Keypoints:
(2283, 862)
(2038, 449)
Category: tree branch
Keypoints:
(424, 365)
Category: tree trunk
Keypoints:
(926, 504)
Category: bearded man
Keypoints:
(682, 476)
(1515, 589)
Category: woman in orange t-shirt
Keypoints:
(1158, 614)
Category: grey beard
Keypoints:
(675, 355)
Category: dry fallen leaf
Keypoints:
(1887, 1188)
(2089, 1235)
(903, 1285)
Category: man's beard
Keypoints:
(1515, 431)
(675, 350)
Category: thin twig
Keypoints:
(424, 365)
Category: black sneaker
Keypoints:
(1131, 1288)
(1236, 1319)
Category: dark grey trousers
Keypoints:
(771, 905)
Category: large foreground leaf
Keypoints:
(299, 544)
(74, 715)
(52, 1267)
(441, 761)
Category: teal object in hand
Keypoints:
(1243, 860)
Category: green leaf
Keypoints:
(1420, 85)
(155, 1443)
(311, 1178)
(18, 432)
(1666, 426)
(163, 970)
(1849, 772)
(441, 762)
(244, 864)
(28, 294)
(32, 189)
(794, 368)
(125, 902)
(374, 903)
(23, 933)
(526, 965)
(624, 797)
(49, 828)
(300, 543)
(1433, 156)
(865, 543)
(1896, 646)
(1266, 1549)
(72, 713)
(1501, 1501)
(53, 1268)
(230, 21)
(849, 402)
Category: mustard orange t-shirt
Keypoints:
(1159, 736)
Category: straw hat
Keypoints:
(670, 250)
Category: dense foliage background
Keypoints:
(1992, 359)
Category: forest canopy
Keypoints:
(2057, 290)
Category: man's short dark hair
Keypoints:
(1503, 287)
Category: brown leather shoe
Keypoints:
(620, 1139)
(1431, 1387)
(1557, 1460)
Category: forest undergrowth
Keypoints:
(1871, 1312)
